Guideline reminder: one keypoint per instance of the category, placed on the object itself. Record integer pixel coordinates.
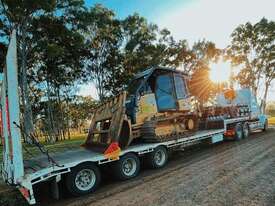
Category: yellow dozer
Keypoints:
(156, 107)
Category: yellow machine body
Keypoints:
(156, 106)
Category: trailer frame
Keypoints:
(51, 172)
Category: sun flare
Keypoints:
(220, 72)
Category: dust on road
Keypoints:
(232, 173)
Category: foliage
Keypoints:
(102, 39)
(80, 111)
(253, 48)
(18, 15)
(200, 84)
(270, 109)
(118, 49)
(62, 44)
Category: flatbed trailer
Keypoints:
(80, 168)
(40, 169)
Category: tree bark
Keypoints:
(52, 129)
(68, 118)
(263, 106)
(61, 114)
(27, 110)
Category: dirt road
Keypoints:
(232, 173)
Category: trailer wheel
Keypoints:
(246, 130)
(127, 167)
(238, 132)
(83, 179)
(158, 158)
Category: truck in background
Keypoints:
(230, 105)
(80, 168)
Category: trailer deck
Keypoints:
(40, 168)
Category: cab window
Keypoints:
(180, 87)
(165, 93)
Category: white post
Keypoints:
(10, 103)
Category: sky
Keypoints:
(193, 20)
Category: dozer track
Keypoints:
(160, 129)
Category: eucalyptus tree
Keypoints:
(141, 46)
(204, 52)
(266, 30)
(49, 46)
(19, 14)
(59, 63)
(102, 36)
(135, 51)
(253, 49)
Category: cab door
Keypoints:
(165, 94)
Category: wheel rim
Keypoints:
(159, 157)
(85, 179)
(129, 167)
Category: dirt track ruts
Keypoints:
(231, 173)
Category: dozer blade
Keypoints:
(106, 124)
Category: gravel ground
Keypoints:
(231, 173)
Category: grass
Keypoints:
(271, 121)
(60, 146)
(9, 196)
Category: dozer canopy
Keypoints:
(157, 90)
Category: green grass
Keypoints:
(271, 121)
(9, 196)
(60, 146)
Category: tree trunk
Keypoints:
(68, 129)
(254, 90)
(263, 106)
(52, 130)
(68, 119)
(62, 116)
(27, 110)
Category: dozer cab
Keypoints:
(157, 106)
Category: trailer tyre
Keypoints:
(238, 132)
(127, 167)
(246, 130)
(83, 179)
(158, 158)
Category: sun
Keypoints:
(220, 72)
